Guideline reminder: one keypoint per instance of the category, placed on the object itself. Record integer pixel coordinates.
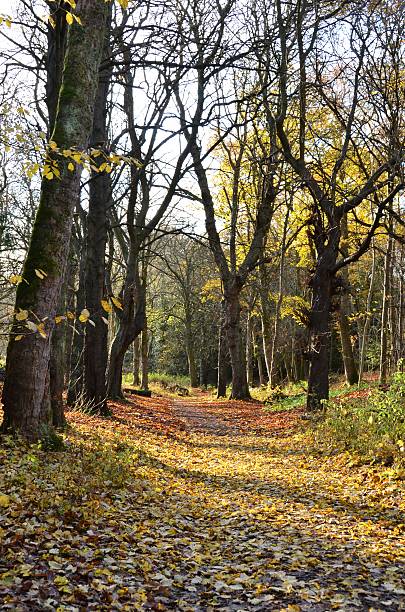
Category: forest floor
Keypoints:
(198, 505)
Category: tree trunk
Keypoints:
(367, 320)
(28, 360)
(136, 363)
(95, 341)
(265, 319)
(384, 357)
(240, 389)
(277, 314)
(75, 386)
(320, 335)
(57, 365)
(349, 362)
(131, 323)
(192, 365)
(222, 355)
(249, 350)
(145, 358)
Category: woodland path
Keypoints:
(198, 505)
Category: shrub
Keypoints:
(374, 426)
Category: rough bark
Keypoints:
(265, 318)
(57, 363)
(240, 389)
(384, 357)
(322, 284)
(95, 341)
(28, 360)
(131, 323)
(222, 355)
(349, 362)
(75, 385)
(249, 351)
(367, 320)
(136, 363)
(192, 365)
(145, 358)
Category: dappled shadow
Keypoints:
(360, 511)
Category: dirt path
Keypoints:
(198, 418)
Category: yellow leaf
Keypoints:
(40, 273)
(4, 501)
(71, 167)
(53, 145)
(22, 315)
(106, 305)
(84, 315)
(41, 330)
(70, 315)
(15, 279)
(116, 302)
(59, 319)
(69, 18)
(18, 338)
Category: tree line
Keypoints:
(278, 124)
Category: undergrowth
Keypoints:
(372, 426)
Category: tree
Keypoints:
(300, 33)
(27, 366)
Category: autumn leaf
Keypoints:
(117, 303)
(84, 315)
(40, 273)
(106, 306)
(4, 501)
(22, 315)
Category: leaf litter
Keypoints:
(196, 505)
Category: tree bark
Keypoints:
(384, 357)
(95, 341)
(319, 328)
(367, 320)
(131, 323)
(57, 365)
(249, 350)
(136, 363)
(75, 385)
(222, 355)
(349, 363)
(192, 365)
(28, 360)
(240, 389)
(265, 319)
(145, 358)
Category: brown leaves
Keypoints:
(195, 505)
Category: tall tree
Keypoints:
(25, 410)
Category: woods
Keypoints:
(288, 148)
(202, 236)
